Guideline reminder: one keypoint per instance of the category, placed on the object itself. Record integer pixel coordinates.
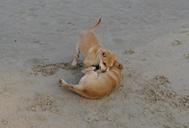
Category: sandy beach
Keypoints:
(37, 41)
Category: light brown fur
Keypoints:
(91, 49)
(95, 85)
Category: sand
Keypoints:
(37, 41)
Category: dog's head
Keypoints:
(107, 59)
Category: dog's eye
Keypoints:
(103, 54)
(104, 64)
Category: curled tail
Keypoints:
(96, 25)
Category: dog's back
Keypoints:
(88, 38)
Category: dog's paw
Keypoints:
(61, 82)
(88, 69)
(74, 62)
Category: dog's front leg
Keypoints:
(76, 57)
(88, 70)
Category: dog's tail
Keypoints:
(96, 25)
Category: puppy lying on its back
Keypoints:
(92, 51)
(94, 85)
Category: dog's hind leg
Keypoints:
(74, 88)
(71, 87)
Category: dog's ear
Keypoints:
(120, 66)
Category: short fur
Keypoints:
(91, 49)
(94, 84)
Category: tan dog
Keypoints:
(92, 51)
(94, 85)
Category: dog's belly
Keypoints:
(88, 78)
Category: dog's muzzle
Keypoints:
(97, 67)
